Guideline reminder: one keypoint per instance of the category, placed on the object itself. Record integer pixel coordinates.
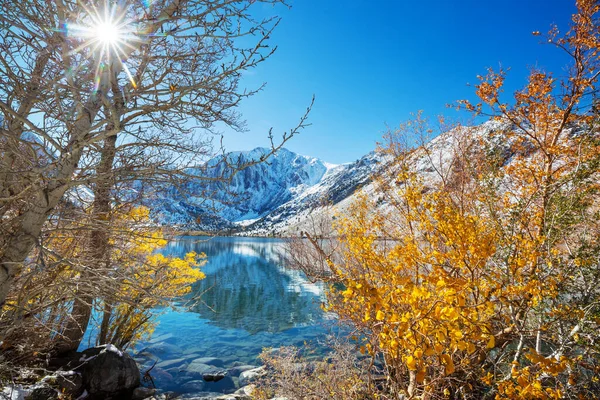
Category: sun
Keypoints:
(107, 33)
(105, 30)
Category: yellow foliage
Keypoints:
(152, 279)
(475, 280)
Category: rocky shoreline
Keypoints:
(106, 372)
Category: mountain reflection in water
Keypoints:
(249, 302)
(247, 287)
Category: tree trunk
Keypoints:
(44, 199)
(105, 325)
(98, 251)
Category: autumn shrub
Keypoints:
(475, 286)
(292, 373)
(124, 291)
(473, 271)
(148, 279)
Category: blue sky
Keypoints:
(370, 63)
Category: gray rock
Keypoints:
(210, 361)
(171, 363)
(42, 392)
(250, 375)
(238, 369)
(142, 393)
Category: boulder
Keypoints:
(238, 369)
(250, 375)
(142, 393)
(42, 392)
(108, 372)
(210, 361)
(223, 385)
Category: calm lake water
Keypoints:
(248, 301)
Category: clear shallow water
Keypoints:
(248, 301)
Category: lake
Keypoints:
(247, 302)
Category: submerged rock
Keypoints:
(238, 369)
(210, 361)
(162, 349)
(223, 385)
(199, 369)
(171, 363)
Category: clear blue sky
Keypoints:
(370, 63)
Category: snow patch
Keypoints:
(113, 349)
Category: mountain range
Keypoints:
(289, 192)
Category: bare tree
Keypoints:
(86, 87)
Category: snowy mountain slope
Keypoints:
(336, 186)
(250, 194)
(292, 193)
(315, 209)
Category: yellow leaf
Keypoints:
(470, 348)
(457, 334)
(380, 315)
(448, 364)
(411, 363)
(492, 342)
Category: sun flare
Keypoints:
(107, 33)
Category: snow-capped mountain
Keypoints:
(241, 198)
(291, 193)
(312, 206)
